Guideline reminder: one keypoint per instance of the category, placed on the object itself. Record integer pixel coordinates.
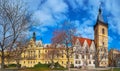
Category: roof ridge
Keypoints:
(82, 41)
(84, 38)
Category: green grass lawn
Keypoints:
(42, 69)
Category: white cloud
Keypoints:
(113, 15)
(43, 18)
(56, 6)
(110, 39)
(84, 29)
(48, 15)
(50, 12)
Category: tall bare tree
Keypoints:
(13, 24)
(64, 36)
(52, 53)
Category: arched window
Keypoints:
(76, 56)
(103, 31)
(103, 43)
(82, 56)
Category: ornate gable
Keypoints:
(82, 41)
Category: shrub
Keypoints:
(41, 65)
(12, 65)
(57, 65)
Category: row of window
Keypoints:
(31, 52)
(103, 62)
(40, 51)
(30, 56)
(102, 56)
(79, 62)
(102, 31)
(83, 57)
(46, 62)
(39, 56)
(30, 62)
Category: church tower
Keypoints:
(101, 41)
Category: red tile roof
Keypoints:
(82, 40)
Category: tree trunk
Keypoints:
(18, 64)
(2, 60)
(52, 64)
(68, 63)
(68, 66)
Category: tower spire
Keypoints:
(99, 17)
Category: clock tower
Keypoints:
(101, 41)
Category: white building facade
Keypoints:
(84, 51)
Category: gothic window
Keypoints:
(103, 43)
(76, 57)
(103, 31)
(82, 56)
(89, 62)
(62, 56)
(75, 62)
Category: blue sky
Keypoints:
(48, 14)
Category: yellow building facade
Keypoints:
(36, 53)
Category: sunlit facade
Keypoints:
(36, 52)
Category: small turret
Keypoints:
(34, 37)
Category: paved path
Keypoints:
(72, 69)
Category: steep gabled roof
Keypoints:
(82, 40)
